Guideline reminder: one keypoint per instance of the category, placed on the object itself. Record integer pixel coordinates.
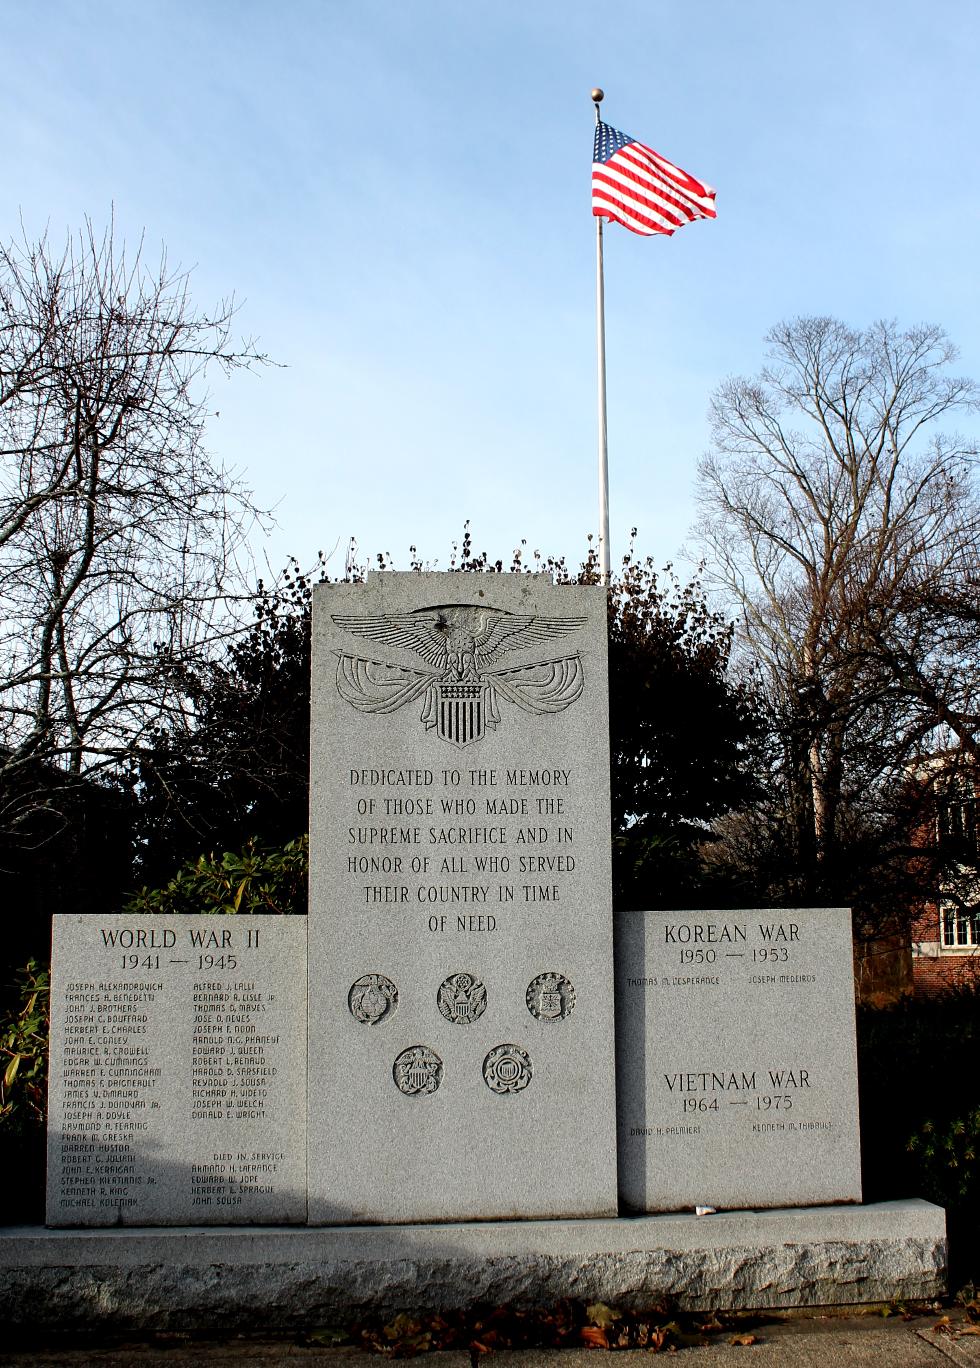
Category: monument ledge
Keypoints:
(184, 1278)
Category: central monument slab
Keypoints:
(461, 999)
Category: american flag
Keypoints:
(641, 189)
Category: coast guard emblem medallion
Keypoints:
(507, 1069)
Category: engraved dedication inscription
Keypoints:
(459, 888)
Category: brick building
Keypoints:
(946, 932)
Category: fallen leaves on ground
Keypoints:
(482, 1330)
(956, 1330)
(969, 1301)
(329, 1335)
(598, 1313)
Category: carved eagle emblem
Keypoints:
(461, 646)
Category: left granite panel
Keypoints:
(177, 1083)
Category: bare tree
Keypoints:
(844, 525)
(118, 533)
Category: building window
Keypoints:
(961, 927)
(959, 828)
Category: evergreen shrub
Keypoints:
(256, 880)
(24, 1026)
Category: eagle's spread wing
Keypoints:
(371, 687)
(414, 631)
(546, 688)
(516, 631)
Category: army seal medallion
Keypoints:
(417, 1071)
(373, 998)
(462, 998)
(507, 1069)
(550, 997)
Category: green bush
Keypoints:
(24, 1024)
(949, 1158)
(254, 880)
(24, 1052)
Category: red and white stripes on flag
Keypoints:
(642, 190)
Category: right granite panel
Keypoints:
(736, 1059)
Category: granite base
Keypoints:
(289, 1277)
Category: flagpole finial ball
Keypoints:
(598, 95)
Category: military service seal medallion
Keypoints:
(417, 1071)
(507, 1069)
(550, 997)
(372, 998)
(462, 998)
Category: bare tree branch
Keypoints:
(846, 532)
(120, 538)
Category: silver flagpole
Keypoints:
(600, 340)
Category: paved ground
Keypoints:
(798, 1341)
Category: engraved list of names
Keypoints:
(177, 1088)
(737, 1064)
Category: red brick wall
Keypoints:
(925, 924)
(934, 976)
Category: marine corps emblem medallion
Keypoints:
(372, 998)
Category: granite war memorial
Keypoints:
(450, 1077)
(460, 918)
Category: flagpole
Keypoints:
(600, 339)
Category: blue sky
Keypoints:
(397, 191)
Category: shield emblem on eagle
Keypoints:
(460, 680)
(462, 710)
